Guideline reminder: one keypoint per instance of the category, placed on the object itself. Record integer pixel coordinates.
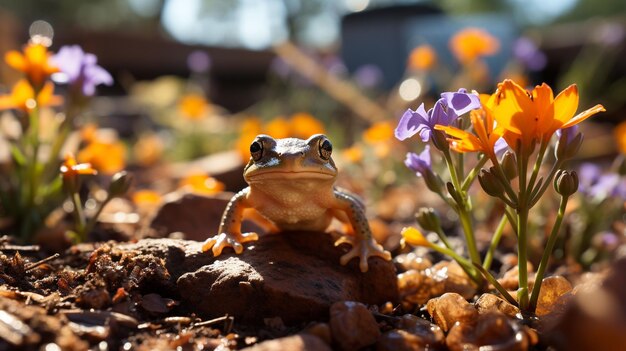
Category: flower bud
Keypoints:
(428, 219)
(455, 195)
(490, 183)
(439, 140)
(566, 182)
(433, 181)
(120, 182)
(569, 143)
(509, 165)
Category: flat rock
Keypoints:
(196, 216)
(301, 342)
(293, 275)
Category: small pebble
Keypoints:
(451, 308)
(552, 290)
(352, 325)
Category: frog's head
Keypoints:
(290, 158)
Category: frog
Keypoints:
(291, 183)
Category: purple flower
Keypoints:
(421, 163)
(500, 146)
(461, 101)
(598, 185)
(527, 52)
(81, 69)
(199, 61)
(368, 76)
(422, 122)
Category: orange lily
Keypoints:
(194, 106)
(202, 184)
(23, 97)
(106, 156)
(536, 115)
(34, 62)
(70, 169)
(485, 132)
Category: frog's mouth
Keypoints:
(279, 175)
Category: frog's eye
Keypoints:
(326, 149)
(256, 150)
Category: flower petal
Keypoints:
(15, 60)
(584, 115)
(410, 122)
(565, 105)
(461, 102)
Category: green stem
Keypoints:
(496, 284)
(467, 182)
(537, 166)
(466, 223)
(453, 175)
(522, 257)
(79, 214)
(546, 183)
(546, 254)
(495, 240)
(505, 182)
(94, 219)
(464, 263)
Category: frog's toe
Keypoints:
(246, 237)
(217, 243)
(208, 244)
(363, 250)
(345, 240)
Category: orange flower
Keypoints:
(146, 197)
(422, 58)
(34, 62)
(353, 154)
(279, 127)
(303, 125)
(202, 184)
(149, 149)
(530, 116)
(106, 156)
(193, 106)
(378, 132)
(471, 43)
(620, 136)
(70, 169)
(23, 97)
(250, 128)
(485, 133)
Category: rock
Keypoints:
(595, 319)
(411, 260)
(197, 216)
(414, 334)
(321, 330)
(490, 331)
(298, 269)
(451, 308)
(491, 303)
(300, 342)
(417, 287)
(454, 278)
(553, 290)
(352, 325)
(510, 279)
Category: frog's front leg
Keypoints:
(229, 234)
(363, 244)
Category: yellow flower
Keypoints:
(485, 133)
(469, 44)
(250, 128)
(23, 97)
(193, 106)
(536, 115)
(414, 237)
(378, 132)
(106, 156)
(34, 62)
(422, 58)
(303, 125)
(202, 184)
(620, 136)
(71, 169)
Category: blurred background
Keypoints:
(345, 65)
